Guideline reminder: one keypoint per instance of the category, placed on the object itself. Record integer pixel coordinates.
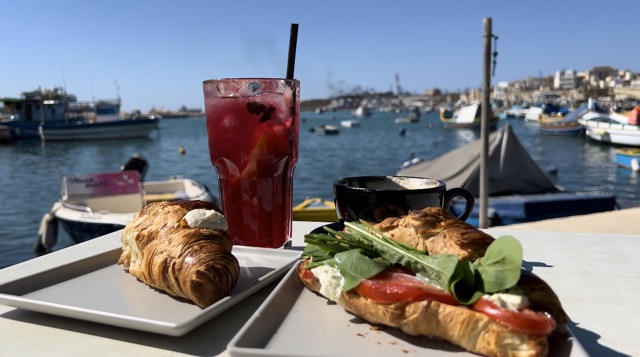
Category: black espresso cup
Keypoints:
(374, 198)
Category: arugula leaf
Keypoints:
(361, 251)
(355, 266)
(500, 266)
(465, 284)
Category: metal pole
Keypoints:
(484, 129)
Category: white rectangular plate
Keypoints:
(296, 322)
(97, 289)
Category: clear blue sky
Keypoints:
(159, 52)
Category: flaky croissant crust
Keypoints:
(161, 250)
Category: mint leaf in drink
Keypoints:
(257, 108)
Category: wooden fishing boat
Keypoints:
(628, 158)
(315, 209)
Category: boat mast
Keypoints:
(484, 127)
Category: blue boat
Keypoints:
(115, 129)
(40, 107)
(628, 158)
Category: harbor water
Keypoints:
(31, 171)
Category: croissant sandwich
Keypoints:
(428, 273)
(183, 249)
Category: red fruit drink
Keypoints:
(253, 128)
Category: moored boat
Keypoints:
(40, 107)
(362, 111)
(628, 158)
(315, 209)
(561, 123)
(115, 129)
(350, 123)
(611, 131)
(326, 129)
(413, 117)
(92, 205)
(469, 116)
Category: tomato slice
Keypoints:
(526, 320)
(308, 275)
(392, 286)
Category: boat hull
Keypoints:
(572, 128)
(83, 231)
(454, 125)
(628, 158)
(83, 223)
(613, 132)
(120, 129)
(514, 209)
(315, 209)
(25, 130)
(466, 117)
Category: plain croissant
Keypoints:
(163, 251)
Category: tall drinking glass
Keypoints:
(253, 128)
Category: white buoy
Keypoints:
(635, 165)
(47, 233)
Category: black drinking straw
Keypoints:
(293, 40)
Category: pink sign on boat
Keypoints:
(103, 184)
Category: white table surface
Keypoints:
(594, 275)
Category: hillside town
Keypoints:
(565, 87)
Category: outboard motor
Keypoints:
(138, 163)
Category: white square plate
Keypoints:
(296, 322)
(97, 289)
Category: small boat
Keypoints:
(96, 204)
(562, 124)
(350, 123)
(546, 112)
(532, 111)
(326, 129)
(628, 158)
(466, 117)
(315, 209)
(116, 129)
(414, 116)
(561, 128)
(39, 107)
(515, 111)
(361, 111)
(611, 131)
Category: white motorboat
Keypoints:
(362, 111)
(326, 129)
(350, 123)
(611, 127)
(468, 116)
(96, 204)
(612, 131)
(414, 116)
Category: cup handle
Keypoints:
(459, 192)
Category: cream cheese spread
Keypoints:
(330, 281)
(206, 218)
(509, 300)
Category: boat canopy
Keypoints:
(511, 169)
